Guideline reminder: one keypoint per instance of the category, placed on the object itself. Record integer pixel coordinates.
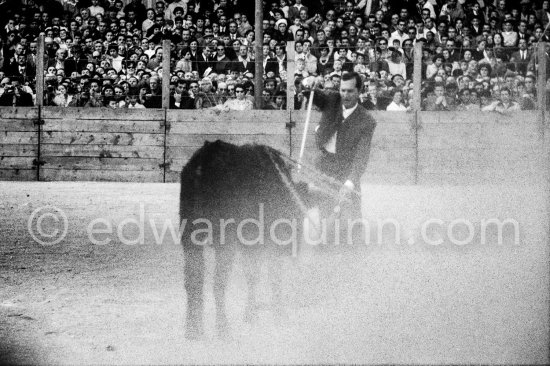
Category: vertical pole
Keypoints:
(39, 98)
(417, 76)
(166, 128)
(166, 74)
(417, 102)
(541, 75)
(40, 71)
(258, 52)
(290, 68)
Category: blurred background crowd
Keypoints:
(476, 54)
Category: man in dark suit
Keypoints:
(23, 70)
(222, 63)
(76, 62)
(344, 137)
(205, 61)
(15, 96)
(521, 57)
(243, 64)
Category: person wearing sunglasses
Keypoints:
(240, 102)
(222, 63)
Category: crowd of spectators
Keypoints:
(477, 54)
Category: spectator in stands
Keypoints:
(181, 98)
(280, 100)
(240, 102)
(396, 66)
(397, 102)
(504, 104)
(453, 30)
(62, 97)
(14, 94)
(267, 101)
(205, 98)
(437, 102)
(153, 99)
(465, 101)
(221, 63)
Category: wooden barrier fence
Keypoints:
(54, 144)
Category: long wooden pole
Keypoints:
(306, 129)
(258, 52)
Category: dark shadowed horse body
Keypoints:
(233, 183)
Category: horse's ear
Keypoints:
(206, 143)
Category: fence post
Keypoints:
(541, 75)
(290, 68)
(417, 76)
(417, 102)
(258, 52)
(39, 87)
(40, 71)
(166, 54)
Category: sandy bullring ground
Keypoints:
(414, 302)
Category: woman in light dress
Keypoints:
(397, 102)
(240, 102)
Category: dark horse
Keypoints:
(233, 183)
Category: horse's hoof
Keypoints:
(251, 315)
(224, 333)
(281, 315)
(223, 328)
(193, 333)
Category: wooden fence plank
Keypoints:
(23, 175)
(228, 128)
(115, 126)
(455, 148)
(85, 163)
(377, 177)
(102, 175)
(18, 125)
(17, 162)
(210, 115)
(18, 143)
(108, 114)
(280, 142)
(18, 138)
(172, 177)
(18, 150)
(102, 151)
(18, 113)
(93, 138)
(478, 177)
(176, 165)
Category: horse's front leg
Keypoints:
(251, 264)
(194, 281)
(224, 261)
(275, 270)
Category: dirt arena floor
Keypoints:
(412, 302)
